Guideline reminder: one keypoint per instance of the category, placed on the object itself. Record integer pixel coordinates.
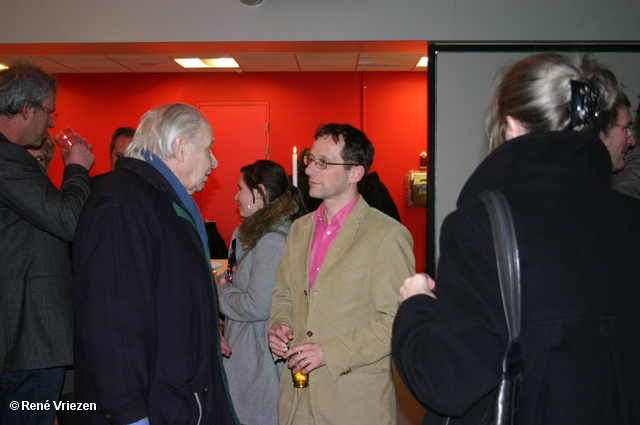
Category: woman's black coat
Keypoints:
(579, 245)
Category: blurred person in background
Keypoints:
(627, 181)
(120, 141)
(44, 154)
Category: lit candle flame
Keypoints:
(294, 167)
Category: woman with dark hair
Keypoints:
(269, 204)
(578, 243)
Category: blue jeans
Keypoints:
(34, 386)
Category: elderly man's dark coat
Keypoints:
(146, 316)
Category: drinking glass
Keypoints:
(65, 138)
(300, 380)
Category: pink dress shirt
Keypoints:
(324, 236)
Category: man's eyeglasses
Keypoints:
(321, 164)
(49, 111)
(627, 130)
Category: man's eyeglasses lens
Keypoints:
(49, 111)
(320, 164)
(628, 130)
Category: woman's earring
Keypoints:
(249, 206)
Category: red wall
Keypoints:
(392, 110)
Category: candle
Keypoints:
(294, 163)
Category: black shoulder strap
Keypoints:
(507, 257)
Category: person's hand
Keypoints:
(279, 337)
(420, 283)
(219, 278)
(79, 153)
(224, 345)
(305, 357)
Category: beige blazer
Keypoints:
(350, 312)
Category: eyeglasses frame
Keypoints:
(49, 112)
(627, 129)
(307, 159)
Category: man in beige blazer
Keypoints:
(336, 293)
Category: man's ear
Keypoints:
(357, 173)
(179, 146)
(25, 111)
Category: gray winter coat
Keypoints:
(252, 374)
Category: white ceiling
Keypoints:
(249, 62)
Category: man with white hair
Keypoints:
(147, 347)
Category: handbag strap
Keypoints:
(507, 257)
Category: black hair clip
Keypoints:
(586, 103)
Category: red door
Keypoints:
(241, 138)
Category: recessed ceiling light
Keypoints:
(208, 63)
(423, 62)
(191, 63)
(221, 63)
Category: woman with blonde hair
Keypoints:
(578, 244)
(44, 154)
